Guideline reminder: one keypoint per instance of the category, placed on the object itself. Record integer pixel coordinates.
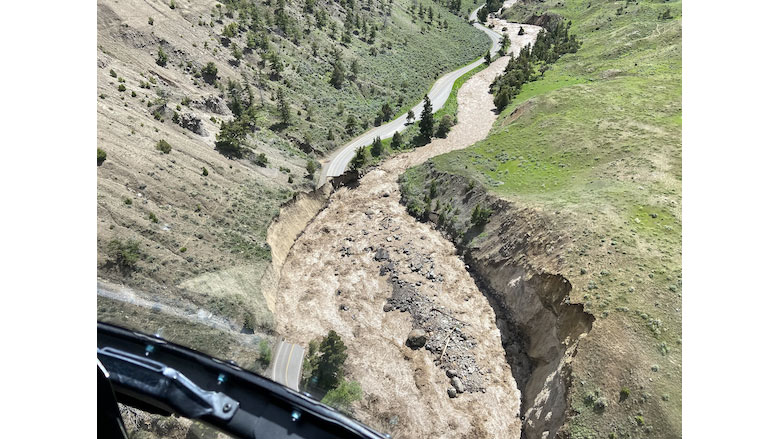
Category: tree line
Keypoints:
(550, 45)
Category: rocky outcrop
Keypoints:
(213, 104)
(191, 122)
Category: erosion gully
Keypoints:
(365, 268)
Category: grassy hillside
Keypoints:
(595, 145)
(183, 223)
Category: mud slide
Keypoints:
(368, 270)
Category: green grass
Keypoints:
(596, 143)
(450, 107)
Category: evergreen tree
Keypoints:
(501, 100)
(426, 120)
(396, 142)
(354, 67)
(487, 57)
(351, 124)
(386, 111)
(311, 168)
(482, 15)
(337, 77)
(410, 117)
(505, 43)
(230, 138)
(360, 159)
(376, 147)
(283, 107)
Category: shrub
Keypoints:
(209, 72)
(112, 73)
(121, 87)
(265, 353)
(163, 146)
(204, 171)
(123, 254)
(261, 160)
(480, 216)
(128, 201)
(183, 249)
(444, 126)
(639, 420)
(133, 93)
(101, 156)
(311, 168)
(625, 392)
(162, 57)
(151, 21)
(172, 5)
(344, 395)
(600, 404)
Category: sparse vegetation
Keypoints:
(264, 353)
(163, 146)
(123, 255)
(162, 57)
(480, 215)
(344, 395)
(101, 156)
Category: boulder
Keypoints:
(381, 255)
(416, 339)
(451, 392)
(451, 373)
(191, 122)
(457, 384)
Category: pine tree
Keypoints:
(376, 147)
(396, 142)
(386, 111)
(355, 68)
(487, 57)
(337, 77)
(426, 120)
(283, 107)
(332, 355)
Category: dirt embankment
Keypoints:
(516, 260)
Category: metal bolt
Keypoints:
(226, 408)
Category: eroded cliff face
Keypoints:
(515, 257)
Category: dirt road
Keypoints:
(368, 270)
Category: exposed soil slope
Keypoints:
(200, 219)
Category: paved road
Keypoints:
(338, 161)
(287, 364)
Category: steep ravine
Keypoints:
(515, 260)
